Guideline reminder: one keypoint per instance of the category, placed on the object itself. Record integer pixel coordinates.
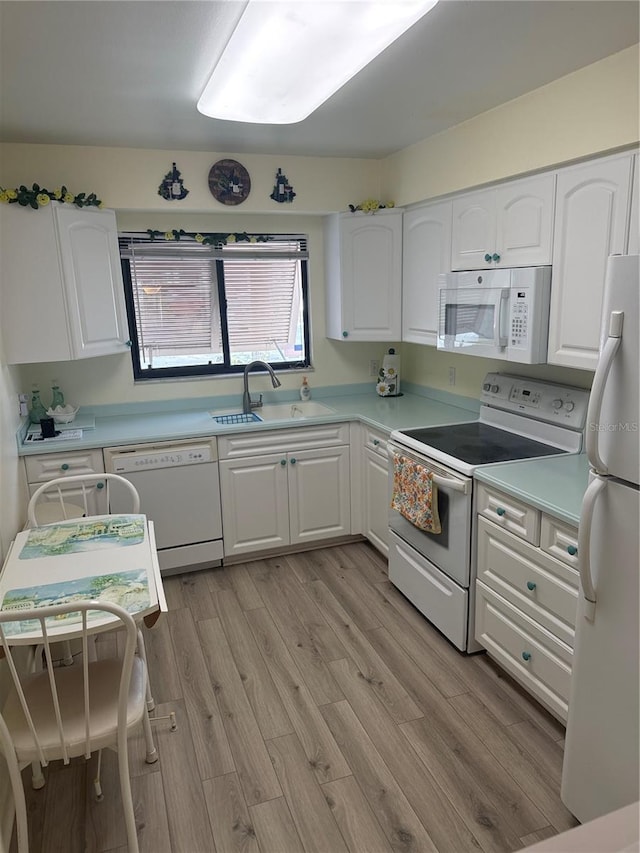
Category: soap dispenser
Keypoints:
(305, 391)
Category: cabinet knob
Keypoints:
(487, 258)
(293, 460)
(500, 510)
(572, 550)
(531, 585)
(495, 257)
(128, 344)
(100, 486)
(64, 467)
(376, 442)
(345, 334)
(283, 461)
(526, 655)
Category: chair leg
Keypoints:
(22, 829)
(37, 777)
(97, 787)
(142, 651)
(67, 658)
(152, 753)
(127, 800)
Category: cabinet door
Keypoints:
(319, 494)
(592, 202)
(92, 281)
(426, 252)
(524, 222)
(95, 496)
(255, 503)
(377, 500)
(473, 230)
(369, 287)
(634, 224)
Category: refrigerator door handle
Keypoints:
(607, 356)
(594, 489)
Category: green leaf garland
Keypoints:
(38, 197)
(208, 238)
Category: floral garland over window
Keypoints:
(37, 197)
(370, 205)
(209, 239)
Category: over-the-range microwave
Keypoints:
(501, 313)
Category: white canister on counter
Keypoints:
(389, 377)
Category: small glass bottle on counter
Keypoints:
(38, 411)
(57, 395)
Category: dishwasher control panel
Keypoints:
(169, 457)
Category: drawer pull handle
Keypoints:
(283, 461)
(501, 511)
(64, 467)
(572, 550)
(531, 585)
(100, 486)
(526, 655)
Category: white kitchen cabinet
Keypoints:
(527, 596)
(299, 493)
(510, 225)
(426, 252)
(49, 466)
(592, 209)
(363, 271)
(376, 489)
(62, 293)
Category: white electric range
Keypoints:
(519, 419)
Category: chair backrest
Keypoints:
(72, 496)
(48, 714)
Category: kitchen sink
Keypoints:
(274, 412)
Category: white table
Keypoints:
(112, 557)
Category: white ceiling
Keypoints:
(105, 72)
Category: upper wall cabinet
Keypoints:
(426, 250)
(363, 268)
(510, 225)
(62, 294)
(592, 219)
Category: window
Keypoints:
(197, 309)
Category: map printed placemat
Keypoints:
(128, 589)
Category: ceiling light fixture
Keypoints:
(285, 59)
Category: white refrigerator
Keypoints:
(601, 763)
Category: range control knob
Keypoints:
(569, 406)
(486, 387)
(557, 404)
(494, 389)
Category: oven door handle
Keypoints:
(451, 483)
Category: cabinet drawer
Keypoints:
(540, 662)
(376, 441)
(543, 588)
(560, 540)
(263, 443)
(509, 513)
(48, 466)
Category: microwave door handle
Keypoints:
(499, 339)
(594, 409)
(450, 483)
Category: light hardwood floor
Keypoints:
(318, 712)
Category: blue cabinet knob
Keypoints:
(571, 549)
(376, 442)
(531, 585)
(487, 258)
(495, 258)
(500, 510)
(526, 655)
(283, 461)
(345, 334)
(128, 344)
(64, 467)
(293, 460)
(100, 486)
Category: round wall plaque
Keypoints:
(229, 182)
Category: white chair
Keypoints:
(66, 498)
(64, 712)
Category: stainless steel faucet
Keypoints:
(247, 403)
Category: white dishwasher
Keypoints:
(179, 490)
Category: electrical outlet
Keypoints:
(24, 409)
(374, 367)
(452, 376)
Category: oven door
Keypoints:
(474, 320)
(450, 550)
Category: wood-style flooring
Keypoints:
(318, 712)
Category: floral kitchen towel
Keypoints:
(415, 496)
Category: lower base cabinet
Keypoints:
(377, 490)
(282, 499)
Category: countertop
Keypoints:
(555, 484)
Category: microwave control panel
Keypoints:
(519, 331)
